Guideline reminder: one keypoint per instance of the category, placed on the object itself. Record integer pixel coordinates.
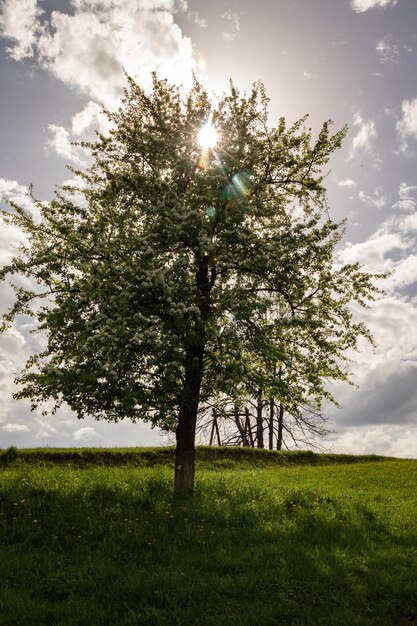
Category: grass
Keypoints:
(267, 539)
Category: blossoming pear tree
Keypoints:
(197, 250)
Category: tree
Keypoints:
(227, 424)
(162, 275)
(299, 345)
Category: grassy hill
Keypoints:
(93, 537)
(213, 457)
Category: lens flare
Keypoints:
(238, 189)
(207, 136)
(211, 213)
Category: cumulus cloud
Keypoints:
(384, 397)
(407, 198)
(14, 350)
(373, 253)
(360, 6)
(12, 191)
(84, 433)
(387, 440)
(348, 182)
(16, 428)
(61, 143)
(393, 246)
(90, 116)
(366, 133)
(387, 375)
(19, 22)
(88, 47)
(376, 199)
(407, 124)
(11, 237)
(17, 343)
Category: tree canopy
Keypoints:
(175, 273)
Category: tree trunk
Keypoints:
(187, 415)
(241, 429)
(248, 427)
(187, 419)
(215, 429)
(259, 421)
(271, 423)
(280, 426)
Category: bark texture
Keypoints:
(259, 421)
(194, 369)
(280, 426)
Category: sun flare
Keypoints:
(207, 136)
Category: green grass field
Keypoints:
(95, 538)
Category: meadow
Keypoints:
(94, 537)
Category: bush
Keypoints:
(9, 455)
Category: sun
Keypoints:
(207, 136)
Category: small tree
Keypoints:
(292, 351)
(228, 424)
(177, 254)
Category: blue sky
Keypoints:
(354, 61)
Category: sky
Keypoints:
(352, 61)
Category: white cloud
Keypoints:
(61, 143)
(46, 430)
(407, 198)
(80, 50)
(405, 272)
(360, 6)
(14, 351)
(387, 375)
(348, 182)
(406, 225)
(195, 17)
(393, 246)
(12, 342)
(11, 237)
(89, 116)
(388, 52)
(16, 428)
(19, 22)
(383, 439)
(84, 433)
(233, 25)
(12, 191)
(372, 252)
(407, 125)
(365, 135)
(180, 6)
(376, 199)
(88, 48)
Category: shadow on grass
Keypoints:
(127, 555)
